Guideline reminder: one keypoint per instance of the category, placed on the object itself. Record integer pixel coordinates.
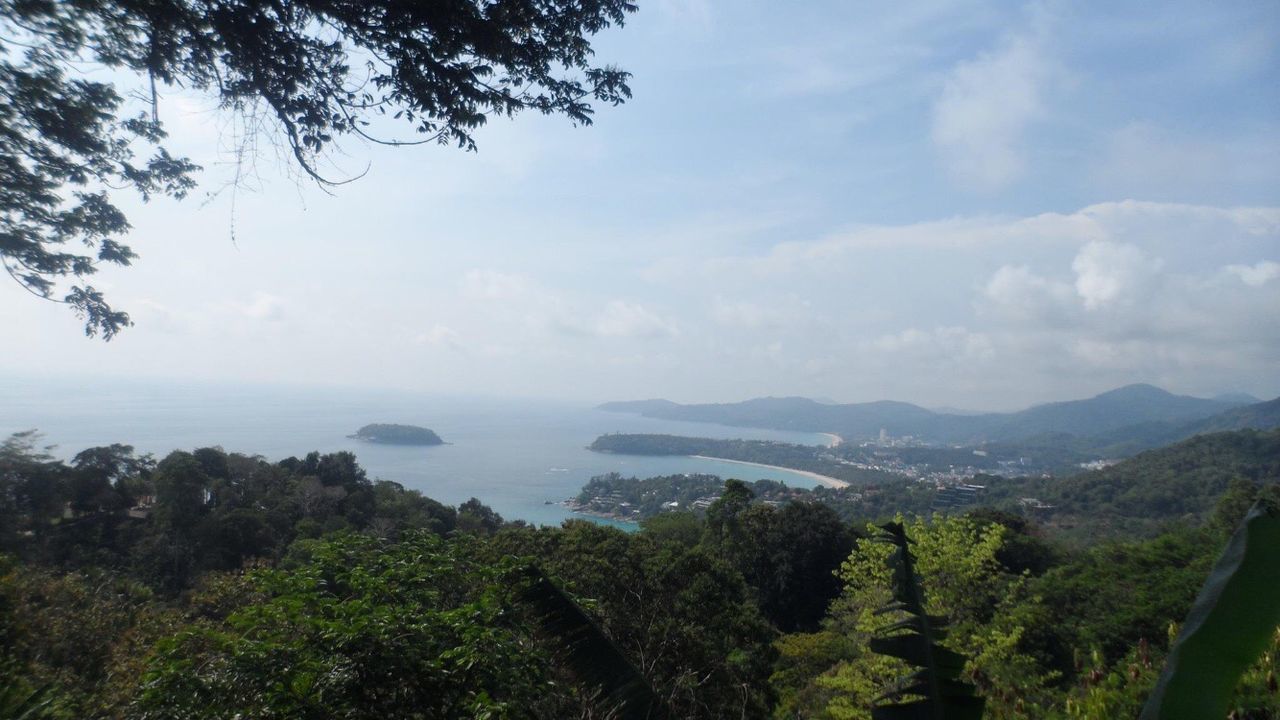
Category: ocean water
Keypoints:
(521, 457)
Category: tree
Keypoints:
(311, 71)
(958, 561)
(680, 614)
(364, 629)
(724, 518)
(99, 470)
(790, 556)
(476, 517)
(915, 639)
(33, 486)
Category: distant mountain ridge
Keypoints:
(1135, 414)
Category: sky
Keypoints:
(970, 204)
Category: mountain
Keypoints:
(647, 408)
(791, 413)
(1138, 495)
(1128, 408)
(1135, 438)
(1262, 416)
(1238, 398)
(1120, 408)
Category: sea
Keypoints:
(521, 457)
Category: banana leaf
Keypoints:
(1229, 626)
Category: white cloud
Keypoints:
(148, 313)
(744, 314)
(485, 284)
(1111, 293)
(621, 319)
(941, 344)
(1255, 275)
(985, 108)
(1109, 272)
(518, 304)
(264, 306)
(1017, 293)
(440, 336)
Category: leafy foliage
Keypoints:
(20, 703)
(958, 560)
(364, 629)
(681, 614)
(167, 522)
(212, 583)
(590, 653)
(915, 639)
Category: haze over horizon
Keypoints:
(976, 205)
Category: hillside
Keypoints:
(1134, 497)
(1129, 440)
(123, 587)
(1123, 409)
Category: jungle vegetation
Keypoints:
(221, 585)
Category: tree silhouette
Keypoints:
(313, 71)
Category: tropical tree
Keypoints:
(679, 613)
(957, 560)
(365, 629)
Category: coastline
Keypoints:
(836, 440)
(572, 506)
(824, 480)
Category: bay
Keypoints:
(519, 456)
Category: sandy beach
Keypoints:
(824, 480)
(836, 440)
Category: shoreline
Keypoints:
(824, 480)
(836, 440)
(572, 506)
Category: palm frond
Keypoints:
(19, 703)
(915, 640)
(590, 654)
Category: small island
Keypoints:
(389, 434)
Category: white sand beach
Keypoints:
(824, 480)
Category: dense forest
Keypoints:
(765, 452)
(1133, 498)
(392, 434)
(213, 584)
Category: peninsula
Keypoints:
(388, 434)
(814, 462)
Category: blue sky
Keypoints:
(953, 203)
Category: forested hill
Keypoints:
(213, 584)
(1135, 497)
(1132, 499)
(1142, 415)
(391, 434)
(787, 455)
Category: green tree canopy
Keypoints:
(364, 629)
